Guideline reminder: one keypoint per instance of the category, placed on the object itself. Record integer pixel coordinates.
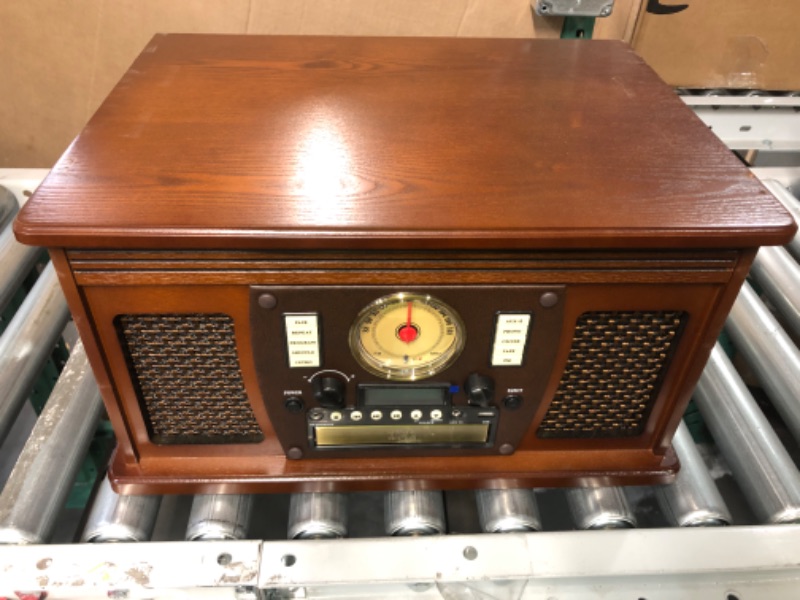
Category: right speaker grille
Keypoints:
(613, 374)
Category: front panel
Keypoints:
(228, 374)
(343, 390)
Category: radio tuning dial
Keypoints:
(480, 390)
(329, 391)
(407, 336)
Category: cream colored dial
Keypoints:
(407, 336)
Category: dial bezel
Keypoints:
(407, 373)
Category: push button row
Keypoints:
(394, 415)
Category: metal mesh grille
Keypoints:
(186, 371)
(613, 374)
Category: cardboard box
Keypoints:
(721, 43)
(59, 59)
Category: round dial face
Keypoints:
(407, 336)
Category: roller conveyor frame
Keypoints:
(652, 562)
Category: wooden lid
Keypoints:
(213, 141)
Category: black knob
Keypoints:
(329, 391)
(480, 390)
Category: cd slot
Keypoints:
(416, 434)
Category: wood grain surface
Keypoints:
(215, 141)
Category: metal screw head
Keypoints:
(267, 301)
(606, 10)
(506, 449)
(548, 299)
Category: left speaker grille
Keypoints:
(186, 372)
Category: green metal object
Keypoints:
(697, 427)
(93, 466)
(692, 417)
(577, 28)
(727, 345)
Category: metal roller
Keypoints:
(506, 511)
(770, 353)
(219, 517)
(414, 513)
(779, 274)
(791, 204)
(116, 518)
(763, 469)
(8, 207)
(27, 342)
(43, 476)
(713, 92)
(16, 261)
(693, 499)
(600, 508)
(317, 516)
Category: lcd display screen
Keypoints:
(404, 395)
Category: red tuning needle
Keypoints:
(408, 333)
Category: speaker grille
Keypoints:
(613, 374)
(186, 372)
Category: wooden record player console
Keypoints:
(325, 263)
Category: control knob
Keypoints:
(329, 391)
(480, 390)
